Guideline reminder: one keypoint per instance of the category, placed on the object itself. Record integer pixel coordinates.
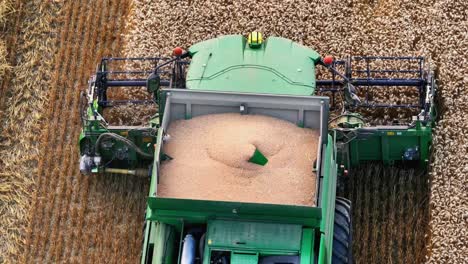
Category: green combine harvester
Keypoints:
(251, 76)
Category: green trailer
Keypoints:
(251, 76)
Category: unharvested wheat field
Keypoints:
(50, 213)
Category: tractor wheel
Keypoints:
(342, 233)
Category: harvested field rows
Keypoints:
(390, 214)
(75, 218)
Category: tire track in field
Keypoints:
(61, 190)
(100, 47)
(103, 225)
(76, 239)
(61, 87)
(42, 180)
(70, 96)
(82, 238)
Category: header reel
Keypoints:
(363, 80)
(376, 86)
(152, 73)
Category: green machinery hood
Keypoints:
(228, 63)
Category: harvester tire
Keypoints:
(342, 233)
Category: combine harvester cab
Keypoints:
(252, 76)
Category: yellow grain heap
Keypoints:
(210, 160)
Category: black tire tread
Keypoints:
(342, 232)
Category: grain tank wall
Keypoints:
(305, 111)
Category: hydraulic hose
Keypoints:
(123, 140)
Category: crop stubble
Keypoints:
(75, 218)
(390, 214)
(29, 36)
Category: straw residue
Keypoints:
(24, 95)
(210, 160)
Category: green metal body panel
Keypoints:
(259, 237)
(142, 138)
(327, 202)
(248, 240)
(162, 238)
(389, 145)
(307, 246)
(228, 63)
(171, 210)
(244, 258)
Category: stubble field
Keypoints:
(67, 217)
(51, 213)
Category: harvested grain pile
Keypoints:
(210, 160)
(435, 29)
